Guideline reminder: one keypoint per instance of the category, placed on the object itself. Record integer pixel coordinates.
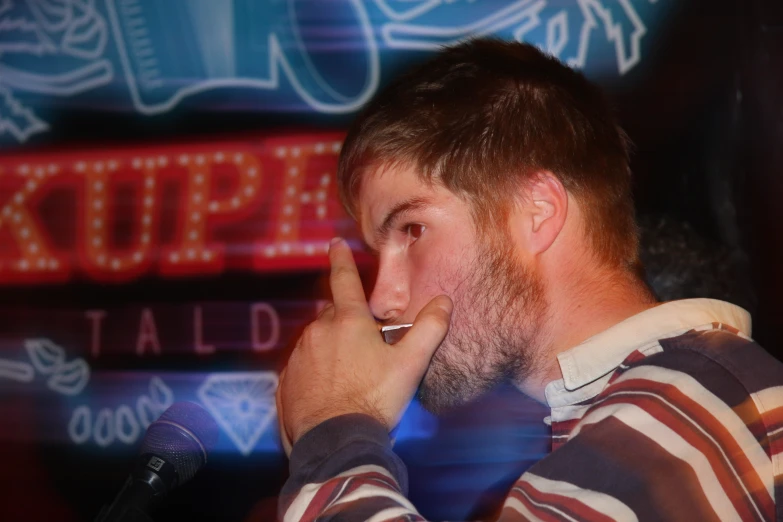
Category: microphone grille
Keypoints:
(183, 436)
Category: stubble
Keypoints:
(498, 305)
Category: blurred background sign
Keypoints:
(282, 56)
(262, 204)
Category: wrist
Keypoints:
(339, 445)
(308, 422)
(332, 435)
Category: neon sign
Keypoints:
(70, 356)
(260, 204)
(292, 56)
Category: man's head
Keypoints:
(461, 174)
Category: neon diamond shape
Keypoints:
(242, 403)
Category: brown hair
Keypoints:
(483, 116)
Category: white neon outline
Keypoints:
(46, 356)
(32, 124)
(16, 371)
(64, 14)
(244, 446)
(104, 420)
(125, 412)
(614, 33)
(402, 36)
(534, 21)
(411, 36)
(560, 20)
(409, 14)
(43, 45)
(277, 61)
(82, 415)
(87, 77)
(146, 409)
(95, 23)
(70, 378)
(162, 396)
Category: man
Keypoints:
(493, 184)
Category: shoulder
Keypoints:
(687, 409)
(713, 362)
(710, 371)
(735, 370)
(738, 355)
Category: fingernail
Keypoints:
(335, 240)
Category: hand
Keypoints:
(342, 365)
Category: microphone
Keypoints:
(174, 448)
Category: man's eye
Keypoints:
(414, 231)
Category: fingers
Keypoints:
(347, 291)
(429, 329)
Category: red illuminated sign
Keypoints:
(262, 204)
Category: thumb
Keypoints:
(428, 331)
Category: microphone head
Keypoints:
(182, 436)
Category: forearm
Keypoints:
(345, 466)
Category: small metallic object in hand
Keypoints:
(392, 334)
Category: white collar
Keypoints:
(602, 353)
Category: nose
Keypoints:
(391, 295)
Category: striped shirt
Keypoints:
(673, 414)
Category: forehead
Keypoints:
(386, 181)
(385, 187)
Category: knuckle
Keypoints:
(341, 272)
(311, 334)
(344, 321)
(348, 318)
(338, 273)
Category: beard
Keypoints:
(498, 307)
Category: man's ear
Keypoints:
(541, 212)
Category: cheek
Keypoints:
(434, 273)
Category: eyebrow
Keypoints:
(397, 211)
